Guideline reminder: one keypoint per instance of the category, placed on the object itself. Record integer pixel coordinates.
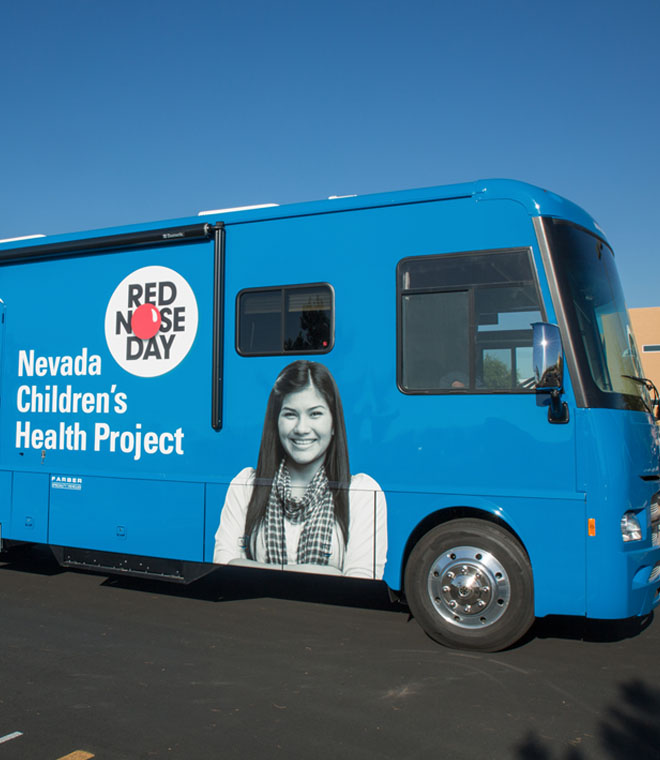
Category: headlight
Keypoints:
(631, 530)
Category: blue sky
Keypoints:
(133, 111)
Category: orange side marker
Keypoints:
(592, 526)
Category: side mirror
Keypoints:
(548, 360)
(547, 357)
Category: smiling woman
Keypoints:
(305, 426)
(301, 509)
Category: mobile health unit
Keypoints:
(453, 365)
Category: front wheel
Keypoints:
(469, 585)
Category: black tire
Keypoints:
(469, 585)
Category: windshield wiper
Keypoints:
(650, 386)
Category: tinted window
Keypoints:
(290, 319)
(435, 340)
(465, 322)
(596, 316)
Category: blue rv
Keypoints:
(436, 388)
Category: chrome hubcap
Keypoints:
(469, 587)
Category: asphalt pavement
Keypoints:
(253, 664)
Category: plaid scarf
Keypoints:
(316, 510)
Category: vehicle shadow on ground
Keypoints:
(629, 729)
(227, 584)
(36, 559)
(588, 629)
(221, 584)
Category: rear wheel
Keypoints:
(469, 585)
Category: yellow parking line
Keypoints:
(79, 754)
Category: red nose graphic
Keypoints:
(145, 321)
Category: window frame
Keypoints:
(284, 290)
(470, 290)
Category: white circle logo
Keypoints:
(151, 321)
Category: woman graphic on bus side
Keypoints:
(301, 509)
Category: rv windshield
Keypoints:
(596, 316)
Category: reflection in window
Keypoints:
(291, 319)
(465, 322)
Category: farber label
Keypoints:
(66, 483)
(151, 321)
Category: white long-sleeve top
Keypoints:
(364, 555)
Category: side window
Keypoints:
(284, 320)
(465, 322)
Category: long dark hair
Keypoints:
(295, 377)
